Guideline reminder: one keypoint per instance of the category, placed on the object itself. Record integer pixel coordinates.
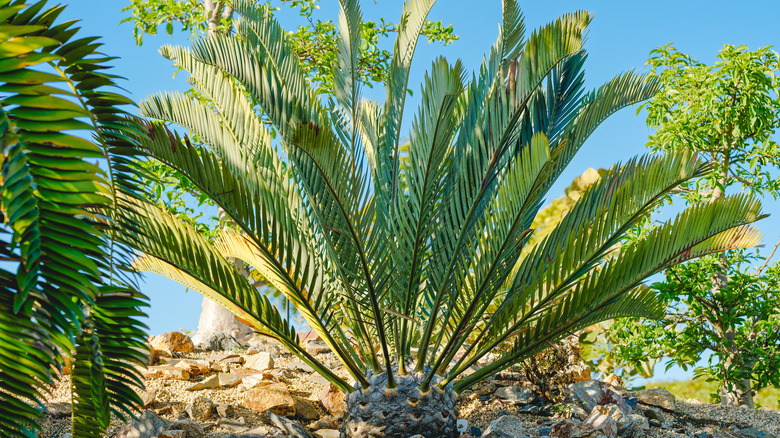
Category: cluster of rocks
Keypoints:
(260, 391)
(597, 409)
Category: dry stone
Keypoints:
(658, 397)
(228, 380)
(147, 425)
(327, 433)
(603, 423)
(625, 425)
(334, 401)
(207, 383)
(261, 361)
(507, 426)
(569, 428)
(306, 411)
(173, 434)
(194, 367)
(172, 342)
(270, 398)
(587, 394)
(193, 429)
(292, 428)
(610, 397)
(165, 372)
(199, 409)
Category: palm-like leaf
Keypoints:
(384, 247)
(73, 288)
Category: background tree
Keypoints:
(727, 112)
(67, 296)
(315, 44)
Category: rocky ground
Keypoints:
(263, 392)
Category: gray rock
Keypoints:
(640, 421)
(587, 394)
(221, 342)
(507, 426)
(193, 429)
(514, 395)
(462, 425)
(147, 425)
(318, 379)
(293, 428)
(300, 366)
(657, 397)
(626, 427)
(612, 398)
(752, 432)
(603, 423)
(570, 428)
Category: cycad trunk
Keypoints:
(404, 411)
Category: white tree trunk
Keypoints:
(215, 319)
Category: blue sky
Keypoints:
(620, 38)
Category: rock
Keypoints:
(568, 428)
(507, 426)
(612, 398)
(230, 358)
(220, 342)
(654, 414)
(475, 431)
(147, 397)
(193, 366)
(249, 382)
(327, 433)
(514, 395)
(631, 401)
(318, 379)
(225, 410)
(193, 429)
(228, 380)
(207, 383)
(256, 432)
(309, 336)
(752, 432)
(613, 380)
(306, 411)
(334, 401)
(462, 425)
(578, 413)
(147, 425)
(586, 394)
(602, 422)
(261, 361)
(326, 422)
(317, 347)
(245, 372)
(544, 431)
(199, 409)
(300, 366)
(274, 398)
(640, 421)
(258, 345)
(172, 342)
(625, 425)
(173, 434)
(658, 397)
(165, 372)
(294, 429)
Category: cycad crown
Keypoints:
(405, 258)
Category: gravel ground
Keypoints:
(691, 416)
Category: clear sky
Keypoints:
(620, 38)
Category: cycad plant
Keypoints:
(66, 291)
(393, 253)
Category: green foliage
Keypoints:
(728, 112)
(385, 248)
(65, 283)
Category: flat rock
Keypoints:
(207, 383)
(625, 425)
(165, 372)
(657, 397)
(173, 434)
(261, 361)
(327, 433)
(507, 426)
(293, 428)
(274, 398)
(610, 397)
(194, 367)
(515, 395)
(147, 397)
(318, 379)
(193, 428)
(228, 380)
(300, 366)
(147, 425)
(317, 347)
(172, 342)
